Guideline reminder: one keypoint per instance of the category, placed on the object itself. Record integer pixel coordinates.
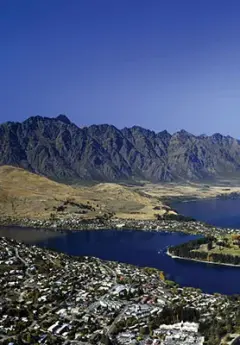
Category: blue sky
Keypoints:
(160, 64)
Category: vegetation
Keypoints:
(178, 217)
(224, 250)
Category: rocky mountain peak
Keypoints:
(63, 118)
(103, 152)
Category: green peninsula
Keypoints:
(219, 250)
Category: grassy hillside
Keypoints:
(221, 250)
(24, 194)
(227, 245)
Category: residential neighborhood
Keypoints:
(51, 298)
(75, 222)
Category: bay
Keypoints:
(141, 248)
(218, 212)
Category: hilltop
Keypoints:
(58, 149)
(24, 194)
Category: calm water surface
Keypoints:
(142, 249)
(218, 212)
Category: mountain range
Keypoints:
(57, 148)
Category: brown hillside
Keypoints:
(24, 194)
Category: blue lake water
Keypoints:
(218, 212)
(149, 248)
(142, 249)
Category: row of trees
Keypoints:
(188, 249)
(176, 217)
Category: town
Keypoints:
(73, 222)
(51, 298)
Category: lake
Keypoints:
(137, 248)
(218, 212)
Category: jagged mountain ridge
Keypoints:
(57, 148)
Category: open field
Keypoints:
(23, 194)
(188, 191)
(227, 245)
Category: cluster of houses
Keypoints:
(73, 222)
(184, 333)
(49, 297)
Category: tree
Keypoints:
(105, 340)
(209, 245)
(162, 276)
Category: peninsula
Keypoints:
(223, 250)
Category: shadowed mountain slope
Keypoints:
(57, 148)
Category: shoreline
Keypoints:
(192, 227)
(169, 201)
(66, 231)
(160, 225)
(202, 261)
